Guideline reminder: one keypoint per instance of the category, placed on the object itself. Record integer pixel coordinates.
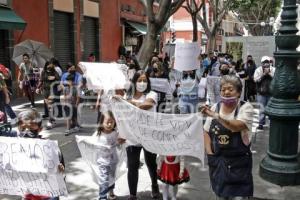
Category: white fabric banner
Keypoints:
(161, 85)
(186, 56)
(30, 166)
(90, 150)
(164, 134)
(106, 76)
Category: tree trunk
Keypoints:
(148, 45)
(211, 45)
(195, 28)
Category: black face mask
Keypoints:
(155, 70)
(30, 134)
(224, 71)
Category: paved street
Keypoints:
(81, 186)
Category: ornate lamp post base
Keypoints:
(280, 172)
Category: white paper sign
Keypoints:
(164, 134)
(161, 85)
(90, 150)
(29, 166)
(106, 76)
(186, 56)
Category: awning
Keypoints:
(9, 20)
(142, 28)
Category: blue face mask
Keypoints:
(187, 85)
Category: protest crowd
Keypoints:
(209, 100)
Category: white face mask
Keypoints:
(141, 86)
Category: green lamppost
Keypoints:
(281, 165)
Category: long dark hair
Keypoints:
(101, 120)
(136, 76)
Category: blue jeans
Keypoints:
(188, 104)
(9, 111)
(263, 101)
(106, 171)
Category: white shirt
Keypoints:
(58, 70)
(259, 73)
(245, 115)
(109, 150)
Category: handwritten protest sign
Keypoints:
(165, 134)
(106, 76)
(29, 166)
(161, 85)
(186, 56)
(90, 151)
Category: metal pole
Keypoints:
(281, 164)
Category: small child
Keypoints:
(71, 101)
(29, 126)
(108, 160)
(171, 172)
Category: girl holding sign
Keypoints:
(145, 99)
(227, 134)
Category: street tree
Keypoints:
(156, 20)
(193, 7)
(255, 12)
(219, 9)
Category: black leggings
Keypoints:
(133, 162)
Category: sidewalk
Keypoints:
(82, 187)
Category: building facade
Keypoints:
(73, 29)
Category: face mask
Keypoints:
(229, 101)
(141, 86)
(224, 71)
(29, 134)
(188, 84)
(155, 70)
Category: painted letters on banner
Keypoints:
(186, 56)
(165, 134)
(29, 166)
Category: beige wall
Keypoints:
(63, 5)
(90, 9)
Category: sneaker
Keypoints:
(68, 132)
(111, 196)
(49, 126)
(260, 127)
(132, 197)
(155, 192)
(14, 121)
(76, 129)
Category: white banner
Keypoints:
(186, 56)
(164, 134)
(106, 76)
(90, 151)
(30, 166)
(161, 85)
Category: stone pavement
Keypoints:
(81, 186)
